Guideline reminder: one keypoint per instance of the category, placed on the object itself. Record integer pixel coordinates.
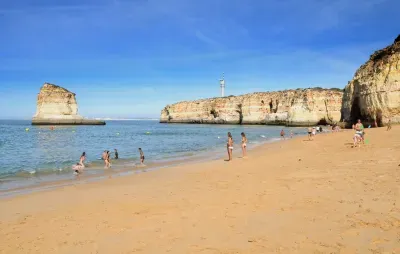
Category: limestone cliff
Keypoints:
(291, 107)
(57, 105)
(374, 92)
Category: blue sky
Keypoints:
(129, 58)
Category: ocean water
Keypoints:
(32, 154)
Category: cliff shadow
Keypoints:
(355, 112)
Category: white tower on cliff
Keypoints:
(222, 85)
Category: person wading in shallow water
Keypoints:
(115, 154)
(82, 159)
(229, 146)
(282, 134)
(141, 156)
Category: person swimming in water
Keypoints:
(115, 154)
(229, 146)
(141, 156)
(244, 144)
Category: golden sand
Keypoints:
(294, 196)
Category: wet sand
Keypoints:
(295, 196)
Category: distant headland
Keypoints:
(373, 95)
(58, 106)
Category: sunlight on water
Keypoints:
(30, 151)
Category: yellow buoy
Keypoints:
(117, 133)
(148, 132)
(27, 129)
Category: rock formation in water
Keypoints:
(57, 105)
(301, 107)
(374, 92)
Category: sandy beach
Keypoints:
(294, 196)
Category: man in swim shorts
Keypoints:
(359, 127)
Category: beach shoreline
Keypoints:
(128, 167)
(293, 196)
(36, 157)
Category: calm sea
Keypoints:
(32, 155)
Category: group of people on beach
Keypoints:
(358, 138)
(229, 145)
(106, 157)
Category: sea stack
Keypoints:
(373, 95)
(58, 106)
(300, 107)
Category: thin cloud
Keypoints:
(206, 39)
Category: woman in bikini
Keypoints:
(244, 144)
(229, 146)
(78, 167)
(106, 158)
(82, 159)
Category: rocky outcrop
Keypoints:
(374, 93)
(57, 105)
(299, 107)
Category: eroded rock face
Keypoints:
(292, 107)
(374, 92)
(58, 106)
(55, 102)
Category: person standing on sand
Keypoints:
(244, 144)
(229, 146)
(282, 134)
(313, 131)
(357, 140)
(309, 131)
(141, 156)
(359, 127)
(389, 125)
